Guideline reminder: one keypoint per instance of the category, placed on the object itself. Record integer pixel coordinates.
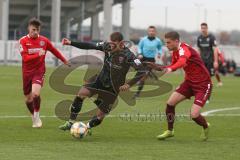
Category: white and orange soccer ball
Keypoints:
(79, 130)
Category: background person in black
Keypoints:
(207, 45)
(109, 82)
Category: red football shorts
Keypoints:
(32, 78)
(201, 91)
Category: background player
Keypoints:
(148, 48)
(33, 48)
(197, 83)
(207, 45)
(108, 82)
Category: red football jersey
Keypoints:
(187, 58)
(32, 50)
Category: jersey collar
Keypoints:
(31, 37)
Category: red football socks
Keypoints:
(30, 107)
(36, 103)
(201, 121)
(170, 115)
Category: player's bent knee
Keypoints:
(194, 114)
(35, 95)
(195, 111)
(171, 102)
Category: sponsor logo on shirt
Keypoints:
(204, 45)
(42, 52)
(34, 50)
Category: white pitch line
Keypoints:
(208, 114)
(219, 110)
(18, 116)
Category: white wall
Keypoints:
(10, 48)
(14, 57)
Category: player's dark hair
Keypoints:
(152, 27)
(35, 22)
(116, 37)
(173, 35)
(204, 24)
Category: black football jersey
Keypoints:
(206, 46)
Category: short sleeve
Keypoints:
(184, 52)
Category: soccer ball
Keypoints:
(79, 130)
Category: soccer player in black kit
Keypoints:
(207, 45)
(110, 80)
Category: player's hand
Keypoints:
(124, 87)
(68, 64)
(140, 56)
(215, 65)
(66, 41)
(42, 52)
(168, 70)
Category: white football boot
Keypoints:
(37, 123)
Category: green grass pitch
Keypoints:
(116, 138)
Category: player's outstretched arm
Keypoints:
(83, 45)
(155, 66)
(56, 53)
(124, 87)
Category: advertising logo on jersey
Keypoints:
(42, 43)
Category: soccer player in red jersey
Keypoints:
(197, 83)
(33, 48)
